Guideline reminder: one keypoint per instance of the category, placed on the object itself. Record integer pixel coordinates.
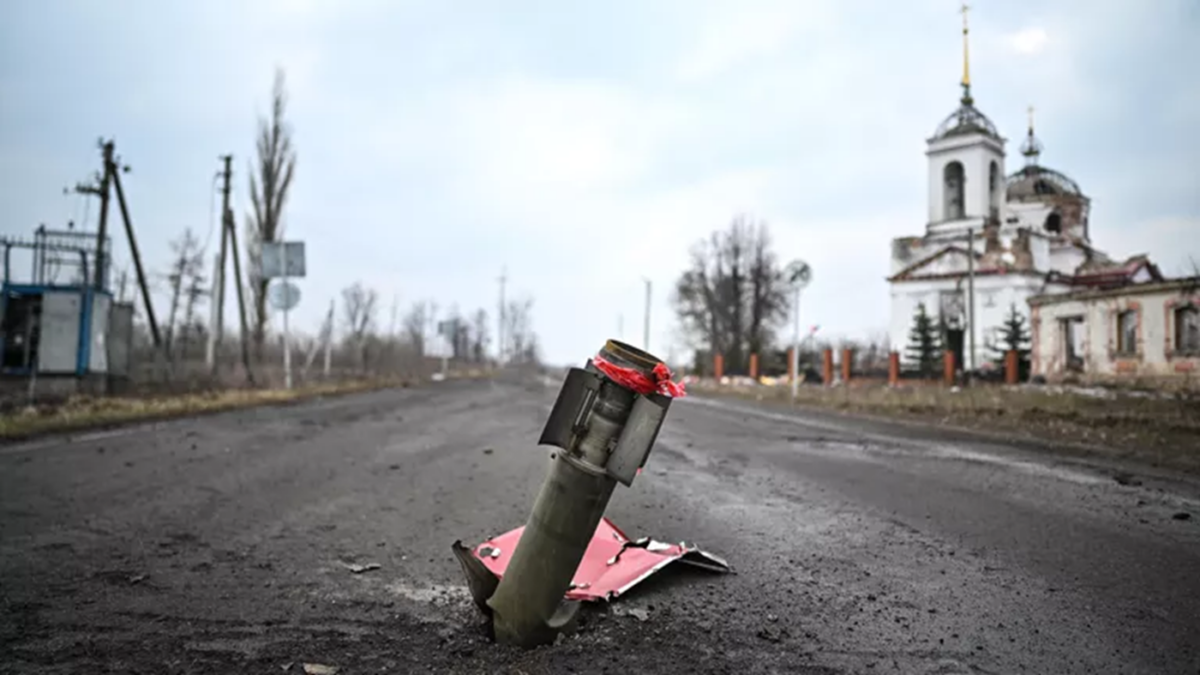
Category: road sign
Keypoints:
(283, 295)
(798, 274)
(288, 263)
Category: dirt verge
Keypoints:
(1159, 430)
(90, 413)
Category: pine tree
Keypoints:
(1013, 335)
(924, 343)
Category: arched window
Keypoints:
(952, 184)
(1054, 223)
(994, 190)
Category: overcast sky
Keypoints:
(585, 145)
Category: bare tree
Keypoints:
(358, 311)
(414, 323)
(188, 261)
(518, 331)
(270, 180)
(732, 297)
(479, 336)
(458, 334)
(193, 329)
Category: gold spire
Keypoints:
(966, 76)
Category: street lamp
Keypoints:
(797, 275)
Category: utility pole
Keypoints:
(646, 327)
(229, 229)
(216, 331)
(329, 341)
(503, 314)
(970, 299)
(102, 191)
(395, 310)
(115, 177)
(102, 231)
(287, 338)
(796, 344)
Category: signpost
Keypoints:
(449, 331)
(798, 274)
(281, 260)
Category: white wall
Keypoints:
(994, 295)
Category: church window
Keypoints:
(952, 179)
(994, 190)
(1054, 223)
(1127, 332)
(1187, 330)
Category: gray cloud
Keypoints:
(438, 143)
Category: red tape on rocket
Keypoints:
(612, 564)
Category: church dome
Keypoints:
(1033, 182)
(966, 120)
(1036, 181)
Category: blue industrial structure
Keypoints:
(55, 320)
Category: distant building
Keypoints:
(1146, 331)
(1024, 234)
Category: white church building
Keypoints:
(1005, 236)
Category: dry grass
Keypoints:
(91, 412)
(1161, 430)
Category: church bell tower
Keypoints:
(966, 164)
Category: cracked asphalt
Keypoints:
(220, 544)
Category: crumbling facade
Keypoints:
(1147, 332)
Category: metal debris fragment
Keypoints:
(356, 568)
(612, 564)
(319, 669)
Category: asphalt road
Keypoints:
(216, 545)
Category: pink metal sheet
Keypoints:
(612, 564)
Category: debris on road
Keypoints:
(1182, 515)
(319, 669)
(356, 568)
(612, 563)
(605, 420)
(487, 451)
